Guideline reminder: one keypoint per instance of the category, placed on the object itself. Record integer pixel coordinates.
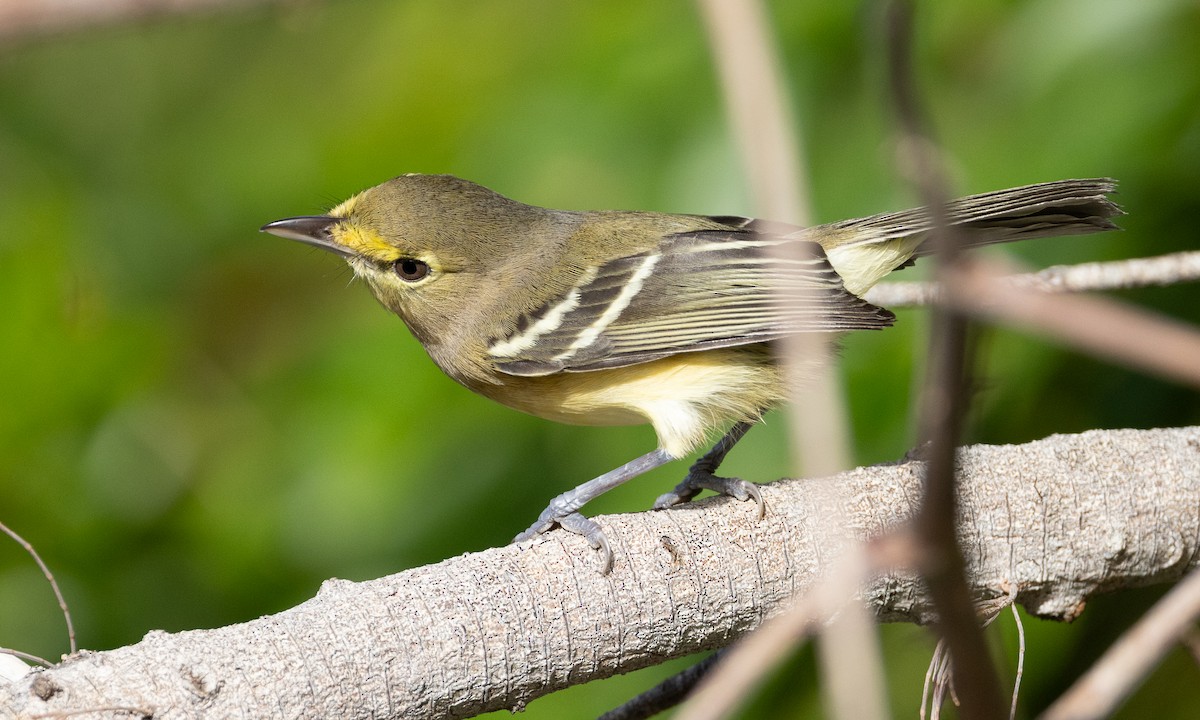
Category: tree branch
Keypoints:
(1059, 519)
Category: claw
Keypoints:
(591, 532)
(579, 525)
(698, 479)
(758, 499)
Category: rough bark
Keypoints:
(1060, 519)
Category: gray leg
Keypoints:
(564, 509)
(702, 476)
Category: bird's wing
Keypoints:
(695, 291)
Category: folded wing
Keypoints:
(695, 291)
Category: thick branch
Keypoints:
(1059, 519)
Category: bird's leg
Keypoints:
(564, 509)
(702, 476)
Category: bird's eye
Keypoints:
(410, 269)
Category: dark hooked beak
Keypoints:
(309, 229)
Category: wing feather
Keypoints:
(695, 291)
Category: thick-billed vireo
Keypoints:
(616, 318)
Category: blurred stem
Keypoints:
(772, 157)
(756, 103)
(943, 402)
(1125, 665)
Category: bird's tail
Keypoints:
(866, 249)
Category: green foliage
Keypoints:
(199, 423)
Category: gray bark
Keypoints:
(1060, 520)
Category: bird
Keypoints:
(631, 317)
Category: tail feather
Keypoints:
(866, 249)
(1055, 208)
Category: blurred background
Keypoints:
(200, 423)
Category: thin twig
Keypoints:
(62, 603)
(1104, 687)
(943, 404)
(26, 656)
(1040, 302)
(772, 158)
(1156, 271)
(938, 680)
(1012, 710)
(758, 109)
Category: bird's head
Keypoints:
(427, 245)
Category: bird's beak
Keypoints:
(310, 229)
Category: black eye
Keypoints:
(410, 269)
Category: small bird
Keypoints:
(620, 318)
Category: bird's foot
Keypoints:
(701, 478)
(576, 523)
(563, 510)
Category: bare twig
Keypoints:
(757, 107)
(1122, 669)
(943, 402)
(938, 681)
(1012, 710)
(1157, 271)
(1039, 302)
(26, 656)
(62, 603)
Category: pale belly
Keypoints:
(684, 396)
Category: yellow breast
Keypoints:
(684, 396)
